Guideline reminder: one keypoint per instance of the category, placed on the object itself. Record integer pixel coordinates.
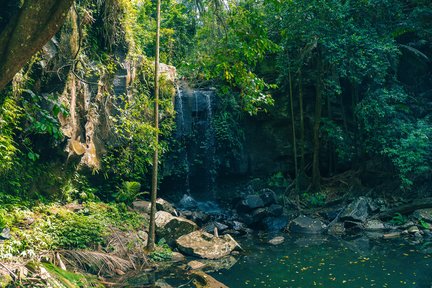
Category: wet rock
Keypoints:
(204, 280)
(198, 217)
(267, 196)
(277, 240)
(209, 228)
(413, 230)
(259, 214)
(141, 206)
(275, 223)
(424, 214)
(331, 214)
(251, 202)
(163, 205)
(162, 284)
(374, 225)
(205, 245)
(306, 225)
(5, 234)
(170, 227)
(238, 226)
(392, 235)
(275, 210)
(187, 202)
(356, 211)
(177, 257)
(336, 229)
(375, 205)
(219, 264)
(195, 265)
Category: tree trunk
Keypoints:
(317, 121)
(293, 131)
(302, 129)
(27, 32)
(152, 228)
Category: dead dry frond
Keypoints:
(96, 262)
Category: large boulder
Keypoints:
(251, 202)
(205, 245)
(201, 279)
(163, 205)
(306, 225)
(170, 227)
(356, 211)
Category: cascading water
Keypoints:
(195, 134)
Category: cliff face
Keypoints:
(93, 84)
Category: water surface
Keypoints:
(330, 262)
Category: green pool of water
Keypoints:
(331, 262)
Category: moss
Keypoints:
(71, 279)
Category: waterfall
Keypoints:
(180, 121)
(195, 134)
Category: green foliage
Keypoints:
(162, 252)
(229, 50)
(392, 132)
(128, 192)
(10, 115)
(424, 224)
(278, 180)
(398, 219)
(75, 231)
(315, 199)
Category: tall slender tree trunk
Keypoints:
(152, 228)
(317, 121)
(293, 130)
(302, 129)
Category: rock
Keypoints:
(356, 211)
(413, 230)
(424, 214)
(331, 214)
(337, 228)
(195, 265)
(252, 202)
(205, 245)
(374, 225)
(162, 284)
(238, 226)
(259, 214)
(306, 225)
(177, 257)
(277, 240)
(187, 202)
(219, 264)
(5, 234)
(163, 205)
(275, 223)
(141, 206)
(199, 217)
(392, 235)
(209, 228)
(267, 196)
(204, 280)
(275, 210)
(170, 227)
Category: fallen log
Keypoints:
(406, 208)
